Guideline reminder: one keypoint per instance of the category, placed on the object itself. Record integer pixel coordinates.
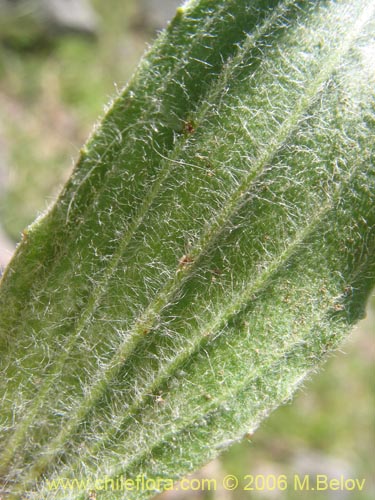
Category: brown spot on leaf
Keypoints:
(189, 127)
(185, 260)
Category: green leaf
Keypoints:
(213, 245)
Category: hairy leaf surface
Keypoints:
(215, 242)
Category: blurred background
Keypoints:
(61, 61)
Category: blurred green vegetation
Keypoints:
(50, 95)
(49, 98)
